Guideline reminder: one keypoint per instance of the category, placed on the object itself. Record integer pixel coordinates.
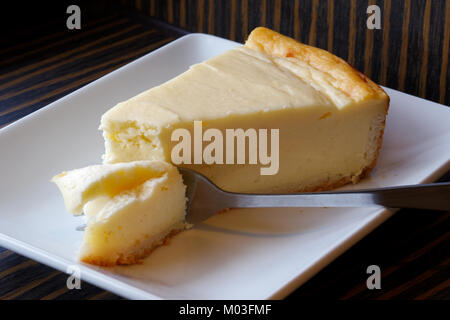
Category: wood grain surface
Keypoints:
(411, 248)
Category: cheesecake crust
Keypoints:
(132, 258)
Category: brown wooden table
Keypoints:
(411, 248)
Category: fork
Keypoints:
(204, 198)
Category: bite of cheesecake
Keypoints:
(131, 208)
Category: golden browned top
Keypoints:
(347, 79)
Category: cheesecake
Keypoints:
(130, 208)
(330, 117)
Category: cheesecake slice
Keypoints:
(131, 208)
(330, 117)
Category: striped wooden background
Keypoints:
(410, 53)
(47, 62)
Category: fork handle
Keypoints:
(435, 196)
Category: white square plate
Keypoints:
(244, 254)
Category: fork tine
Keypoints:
(81, 227)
